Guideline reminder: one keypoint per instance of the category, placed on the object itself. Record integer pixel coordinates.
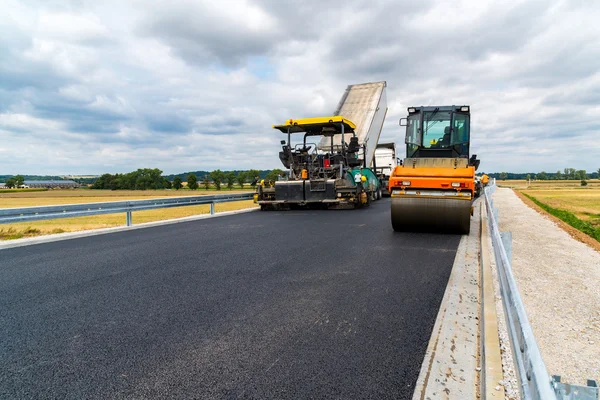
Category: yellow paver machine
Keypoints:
(333, 177)
(433, 188)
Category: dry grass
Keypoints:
(28, 229)
(571, 230)
(523, 184)
(584, 202)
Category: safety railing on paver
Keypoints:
(534, 381)
(25, 214)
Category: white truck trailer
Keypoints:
(385, 162)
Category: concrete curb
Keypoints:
(491, 357)
(449, 368)
(74, 235)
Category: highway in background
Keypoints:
(299, 304)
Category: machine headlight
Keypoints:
(412, 110)
(405, 183)
(464, 109)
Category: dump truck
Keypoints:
(434, 186)
(329, 166)
(365, 105)
(384, 163)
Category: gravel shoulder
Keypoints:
(559, 280)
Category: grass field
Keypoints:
(584, 203)
(21, 190)
(53, 197)
(523, 184)
(576, 205)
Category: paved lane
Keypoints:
(323, 304)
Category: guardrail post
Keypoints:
(212, 208)
(576, 392)
(128, 218)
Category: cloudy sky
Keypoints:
(88, 87)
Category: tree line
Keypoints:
(262, 173)
(565, 174)
(146, 178)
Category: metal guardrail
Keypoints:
(534, 381)
(26, 214)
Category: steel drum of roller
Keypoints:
(431, 214)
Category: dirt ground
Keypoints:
(558, 278)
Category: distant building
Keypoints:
(80, 176)
(52, 184)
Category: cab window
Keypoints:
(461, 129)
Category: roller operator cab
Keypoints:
(434, 186)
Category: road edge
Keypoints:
(492, 374)
(449, 368)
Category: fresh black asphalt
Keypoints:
(297, 304)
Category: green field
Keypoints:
(578, 206)
(584, 203)
(523, 184)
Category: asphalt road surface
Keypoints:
(298, 304)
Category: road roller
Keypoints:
(434, 186)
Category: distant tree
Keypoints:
(273, 175)
(528, 177)
(167, 183)
(583, 182)
(217, 177)
(241, 178)
(142, 179)
(558, 175)
(19, 180)
(581, 174)
(177, 183)
(103, 182)
(11, 183)
(206, 182)
(543, 176)
(192, 182)
(503, 176)
(254, 176)
(230, 179)
(598, 173)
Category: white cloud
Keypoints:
(93, 87)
